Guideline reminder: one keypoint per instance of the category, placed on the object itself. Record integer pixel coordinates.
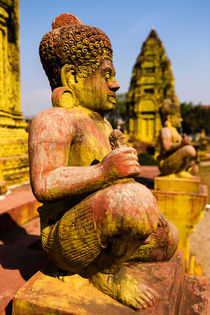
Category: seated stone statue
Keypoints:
(95, 218)
(176, 153)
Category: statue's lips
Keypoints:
(112, 98)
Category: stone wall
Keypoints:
(13, 135)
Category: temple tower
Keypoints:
(13, 135)
(152, 81)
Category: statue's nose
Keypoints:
(114, 85)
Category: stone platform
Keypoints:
(43, 294)
(21, 257)
(20, 251)
(17, 207)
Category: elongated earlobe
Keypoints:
(167, 123)
(63, 97)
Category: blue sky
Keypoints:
(182, 25)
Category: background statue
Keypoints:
(176, 152)
(95, 218)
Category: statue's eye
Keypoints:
(107, 75)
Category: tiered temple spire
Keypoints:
(152, 81)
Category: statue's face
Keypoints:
(97, 91)
(176, 119)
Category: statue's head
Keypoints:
(170, 114)
(75, 56)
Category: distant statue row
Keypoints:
(176, 153)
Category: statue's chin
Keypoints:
(103, 109)
(103, 112)
(106, 111)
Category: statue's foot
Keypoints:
(193, 169)
(170, 175)
(185, 175)
(126, 289)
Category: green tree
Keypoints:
(195, 118)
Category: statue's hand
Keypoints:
(120, 163)
(185, 139)
(162, 220)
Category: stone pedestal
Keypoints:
(3, 184)
(3, 187)
(182, 201)
(17, 208)
(43, 294)
(194, 297)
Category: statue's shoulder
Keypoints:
(54, 123)
(166, 130)
(52, 116)
(166, 133)
(52, 113)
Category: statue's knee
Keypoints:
(173, 240)
(189, 151)
(126, 207)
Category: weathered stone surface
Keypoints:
(184, 209)
(177, 184)
(46, 295)
(95, 217)
(13, 136)
(21, 256)
(17, 208)
(194, 298)
(152, 81)
(177, 155)
(3, 187)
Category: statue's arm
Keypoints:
(166, 141)
(52, 178)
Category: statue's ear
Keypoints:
(63, 97)
(68, 75)
(168, 121)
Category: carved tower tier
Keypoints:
(152, 81)
(13, 135)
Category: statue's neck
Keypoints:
(169, 125)
(90, 112)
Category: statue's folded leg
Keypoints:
(123, 286)
(101, 233)
(114, 220)
(160, 246)
(72, 242)
(178, 161)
